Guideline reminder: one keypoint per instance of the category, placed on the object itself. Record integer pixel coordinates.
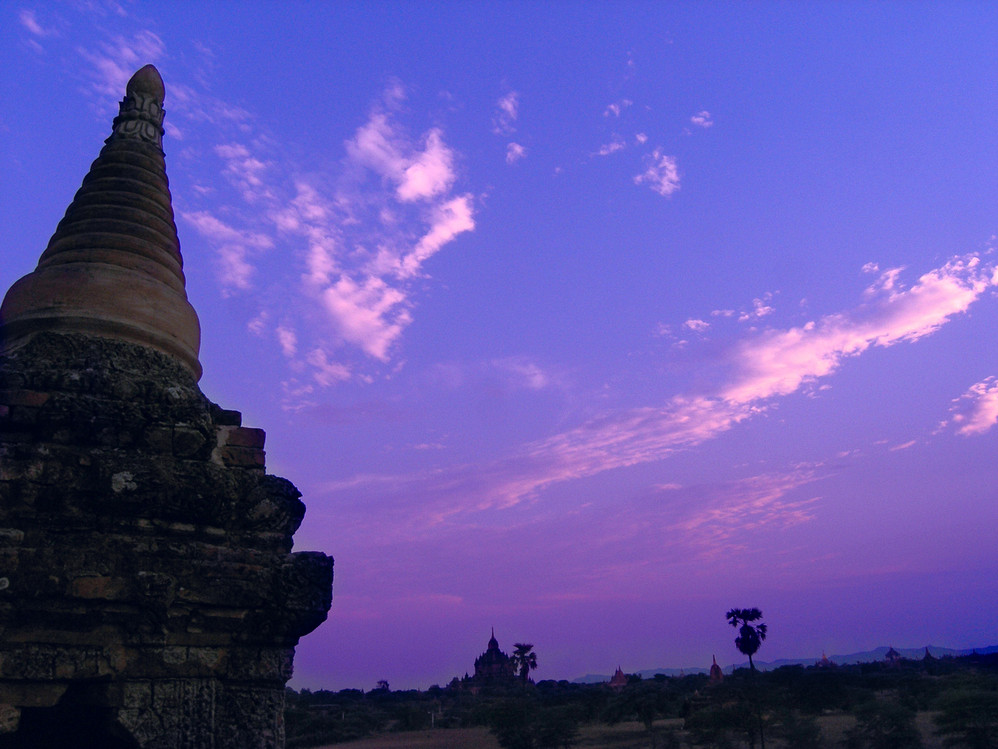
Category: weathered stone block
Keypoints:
(241, 457)
(246, 437)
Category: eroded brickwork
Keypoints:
(145, 554)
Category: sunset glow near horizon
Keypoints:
(585, 322)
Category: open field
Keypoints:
(627, 735)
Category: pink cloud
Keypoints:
(29, 21)
(662, 174)
(515, 152)
(765, 366)
(429, 172)
(367, 312)
(702, 119)
(288, 341)
(245, 171)
(449, 219)
(117, 59)
(613, 146)
(614, 109)
(976, 411)
(779, 362)
(721, 518)
(234, 248)
(507, 112)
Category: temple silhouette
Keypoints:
(493, 666)
(149, 597)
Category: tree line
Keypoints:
(786, 707)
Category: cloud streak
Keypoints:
(976, 411)
(761, 368)
(360, 239)
(661, 175)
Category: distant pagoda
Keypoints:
(494, 666)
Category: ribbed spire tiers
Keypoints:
(113, 267)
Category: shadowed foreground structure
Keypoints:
(148, 594)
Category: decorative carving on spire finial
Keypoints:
(140, 113)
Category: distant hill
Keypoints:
(867, 656)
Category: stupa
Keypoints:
(149, 597)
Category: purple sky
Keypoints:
(583, 321)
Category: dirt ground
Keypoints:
(629, 735)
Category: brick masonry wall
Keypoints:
(145, 553)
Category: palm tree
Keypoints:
(750, 636)
(524, 660)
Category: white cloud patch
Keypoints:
(523, 373)
(417, 173)
(352, 243)
(245, 171)
(763, 367)
(617, 144)
(779, 362)
(235, 248)
(366, 312)
(760, 308)
(507, 113)
(976, 411)
(702, 119)
(662, 175)
(614, 109)
(515, 152)
(697, 326)
(431, 171)
(114, 61)
(30, 22)
(326, 372)
(288, 341)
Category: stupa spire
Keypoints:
(113, 268)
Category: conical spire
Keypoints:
(113, 267)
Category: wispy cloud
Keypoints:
(522, 373)
(702, 119)
(721, 517)
(617, 144)
(761, 368)
(506, 114)
(29, 20)
(515, 152)
(976, 411)
(504, 374)
(779, 362)
(236, 248)
(115, 60)
(760, 308)
(353, 243)
(245, 171)
(614, 109)
(662, 175)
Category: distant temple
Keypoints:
(824, 662)
(619, 680)
(494, 666)
(716, 674)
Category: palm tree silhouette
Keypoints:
(523, 659)
(750, 636)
